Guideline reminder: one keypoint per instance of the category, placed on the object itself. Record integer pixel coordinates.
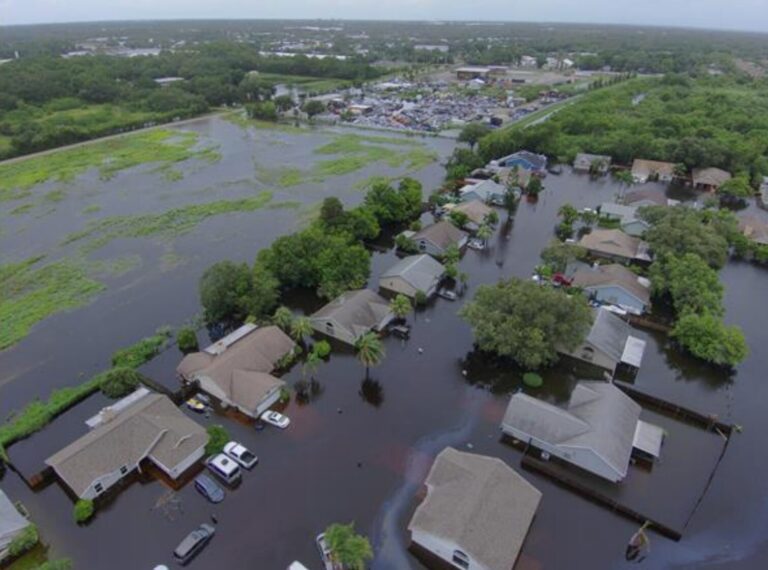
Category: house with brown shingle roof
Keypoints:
(615, 245)
(236, 369)
(475, 210)
(476, 514)
(645, 170)
(616, 285)
(142, 428)
(709, 179)
(754, 229)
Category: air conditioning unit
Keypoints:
(545, 456)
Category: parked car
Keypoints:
(276, 419)
(401, 331)
(325, 551)
(208, 488)
(193, 543)
(224, 468)
(196, 405)
(447, 294)
(476, 244)
(296, 565)
(241, 454)
(616, 310)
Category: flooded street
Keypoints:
(360, 449)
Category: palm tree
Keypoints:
(311, 364)
(348, 549)
(300, 328)
(484, 233)
(370, 351)
(283, 318)
(400, 306)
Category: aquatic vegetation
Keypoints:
(23, 209)
(165, 225)
(32, 292)
(109, 157)
(92, 209)
(143, 351)
(115, 267)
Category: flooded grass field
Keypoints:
(359, 450)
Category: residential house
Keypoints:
(764, 192)
(517, 178)
(615, 245)
(627, 217)
(476, 513)
(487, 191)
(351, 315)
(608, 344)
(645, 170)
(476, 211)
(413, 274)
(614, 284)
(472, 72)
(236, 369)
(592, 163)
(435, 239)
(642, 198)
(754, 229)
(142, 428)
(709, 179)
(597, 431)
(523, 159)
(12, 524)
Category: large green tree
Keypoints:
(226, 290)
(707, 337)
(472, 133)
(392, 206)
(691, 283)
(526, 322)
(370, 351)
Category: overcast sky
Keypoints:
(733, 14)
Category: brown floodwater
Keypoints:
(358, 451)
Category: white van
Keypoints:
(225, 468)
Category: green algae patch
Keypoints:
(33, 291)
(109, 157)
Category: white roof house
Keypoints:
(476, 514)
(413, 274)
(596, 431)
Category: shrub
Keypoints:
(83, 510)
(420, 298)
(532, 380)
(285, 395)
(322, 349)
(26, 540)
(60, 564)
(119, 382)
(186, 338)
(218, 437)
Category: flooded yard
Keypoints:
(360, 449)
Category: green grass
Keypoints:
(165, 225)
(109, 157)
(92, 209)
(33, 291)
(141, 352)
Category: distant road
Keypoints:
(110, 137)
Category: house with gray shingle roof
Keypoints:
(627, 217)
(596, 431)
(142, 428)
(435, 239)
(12, 523)
(413, 274)
(236, 370)
(615, 245)
(352, 314)
(609, 343)
(476, 514)
(487, 191)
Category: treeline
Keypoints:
(697, 122)
(214, 75)
(328, 257)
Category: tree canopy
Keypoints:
(706, 337)
(392, 206)
(527, 322)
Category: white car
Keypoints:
(447, 294)
(240, 454)
(224, 468)
(325, 551)
(275, 419)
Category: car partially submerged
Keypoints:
(275, 419)
(241, 454)
(447, 294)
(325, 552)
(225, 469)
(193, 544)
(208, 488)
